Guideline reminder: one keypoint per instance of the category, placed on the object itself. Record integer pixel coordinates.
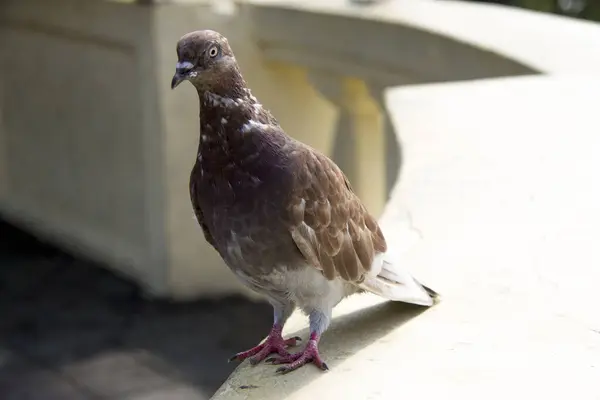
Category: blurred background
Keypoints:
(107, 288)
(585, 9)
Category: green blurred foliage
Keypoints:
(584, 9)
(590, 11)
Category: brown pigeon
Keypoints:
(282, 215)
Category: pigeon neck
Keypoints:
(228, 152)
(222, 121)
(221, 115)
(228, 83)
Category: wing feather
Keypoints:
(329, 224)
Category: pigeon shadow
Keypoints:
(348, 334)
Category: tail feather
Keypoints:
(432, 293)
(396, 284)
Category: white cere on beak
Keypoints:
(184, 66)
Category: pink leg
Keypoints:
(273, 344)
(295, 361)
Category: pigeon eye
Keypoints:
(213, 51)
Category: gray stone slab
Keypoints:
(114, 374)
(21, 380)
(177, 392)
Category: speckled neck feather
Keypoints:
(227, 110)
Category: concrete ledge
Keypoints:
(364, 325)
(499, 182)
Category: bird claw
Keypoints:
(273, 344)
(295, 361)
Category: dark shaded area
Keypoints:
(70, 329)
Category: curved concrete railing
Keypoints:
(496, 206)
(426, 40)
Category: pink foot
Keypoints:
(295, 361)
(273, 344)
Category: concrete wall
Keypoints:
(79, 130)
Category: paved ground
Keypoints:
(72, 330)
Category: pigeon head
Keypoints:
(205, 59)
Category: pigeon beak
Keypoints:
(177, 79)
(182, 70)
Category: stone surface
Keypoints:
(20, 379)
(72, 330)
(177, 392)
(499, 183)
(364, 324)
